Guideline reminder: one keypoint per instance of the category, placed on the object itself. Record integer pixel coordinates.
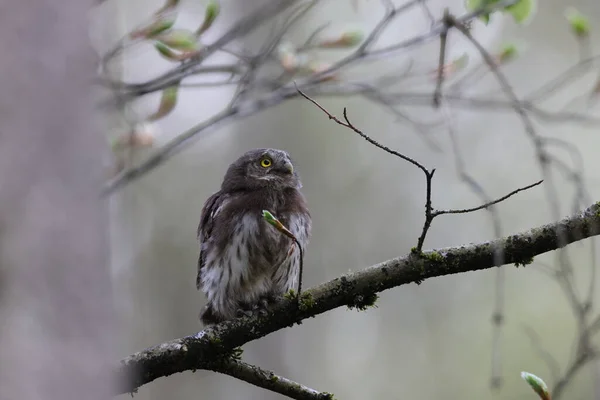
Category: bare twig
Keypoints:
(486, 205)
(349, 125)
(430, 214)
(267, 380)
(428, 174)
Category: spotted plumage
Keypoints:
(244, 262)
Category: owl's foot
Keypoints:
(240, 312)
(270, 299)
(261, 308)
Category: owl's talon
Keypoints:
(263, 312)
(261, 307)
(243, 313)
(270, 299)
(264, 303)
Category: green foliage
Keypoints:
(306, 301)
(290, 295)
(168, 100)
(433, 256)
(269, 217)
(213, 8)
(537, 384)
(579, 23)
(521, 11)
(159, 27)
(180, 39)
(508, 52)
(165, 51)
(212, 11)
(363, 302)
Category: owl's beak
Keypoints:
(288, 167)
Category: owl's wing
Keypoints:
(211, 209)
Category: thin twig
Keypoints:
(267, 380)
(572, 73)
(437, 93)
(430, 214)
(349, 125)
(486, 205)
(170, 149)
(428, 174)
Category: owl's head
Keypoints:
(262, 168)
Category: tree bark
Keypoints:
(55, 292)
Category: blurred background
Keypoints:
(422, 341)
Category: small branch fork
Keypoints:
(430, 213)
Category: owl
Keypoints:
(245, 263)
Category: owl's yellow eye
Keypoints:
(265, 163)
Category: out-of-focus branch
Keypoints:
(260, 94)
(544, 159)
(580, 360)
(246, 25)
(261, 103)
(200, 350)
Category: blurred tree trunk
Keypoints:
(55, 292)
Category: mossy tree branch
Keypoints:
(206, 348)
